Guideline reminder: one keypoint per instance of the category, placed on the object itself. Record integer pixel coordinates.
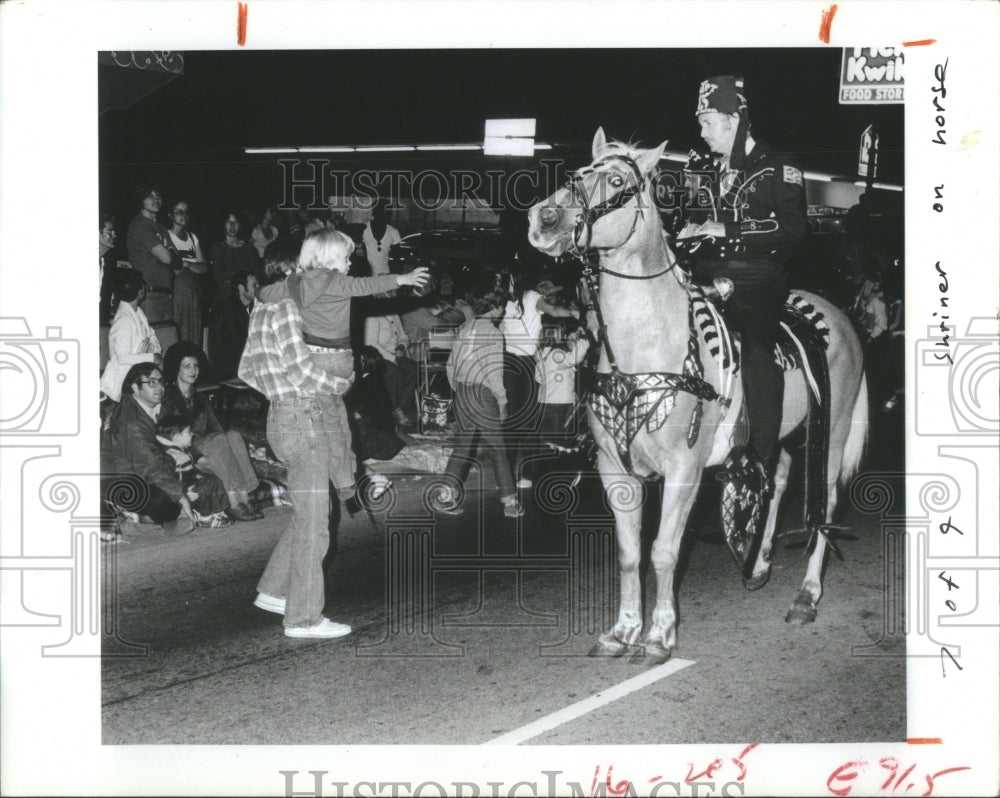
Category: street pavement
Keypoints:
(470, 628)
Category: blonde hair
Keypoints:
(322, 248)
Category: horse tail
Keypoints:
(857, 435)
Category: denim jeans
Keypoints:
(299, 433)
(480, 428)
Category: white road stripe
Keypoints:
(595, 701)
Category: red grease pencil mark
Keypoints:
(923, 741)
(919, 43)
(825, 23)
(241, 24)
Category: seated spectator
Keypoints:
(204, 490)
(370, 409)
(223, 453)
(230, 321)
(385, 333)
(131, 340)
(137, 473)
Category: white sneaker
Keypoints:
(524, 483)
(512, 509)
(270, 603)
(379, 485)
(325, 628)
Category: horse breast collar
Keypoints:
(627, 403)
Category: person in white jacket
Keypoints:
(131, 340)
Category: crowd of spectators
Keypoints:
(304, 312)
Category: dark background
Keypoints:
(188, 135)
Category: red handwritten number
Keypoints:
(930, 779)
(707, 773)
(845, 773)
(891, 764)
(842, 780)
(738, 761)
(620, 788)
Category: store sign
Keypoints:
(871, 76)
(868, 153)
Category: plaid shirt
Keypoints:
(276, 361)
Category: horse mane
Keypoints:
(616, 147)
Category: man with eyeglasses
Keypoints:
(151, 251)
(137, 471)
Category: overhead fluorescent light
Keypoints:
(502, 128)
(543, 146)
(326, 149)
(430, 147)
(494, 145)
(386, 148)
(817, 176)
(268, 150)
(886, 186)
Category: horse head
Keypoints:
(602, 203)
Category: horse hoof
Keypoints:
(802, 611)
(607, 649)
(758, 581)
(649, 655)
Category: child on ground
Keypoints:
(205, 491)
(475, 371)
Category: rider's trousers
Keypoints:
(759, 294)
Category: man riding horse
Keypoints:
(753, 202)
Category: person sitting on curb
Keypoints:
(130, 452)
(203, 489)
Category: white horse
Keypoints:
(646, 305)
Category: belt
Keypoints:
(327, 343)
(153, 289)
(326, 350)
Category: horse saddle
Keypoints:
(803, 336)
(802, 341)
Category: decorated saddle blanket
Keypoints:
(803, 325)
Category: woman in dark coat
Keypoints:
(218, 451)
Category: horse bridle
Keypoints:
(617, 387)
(584, 231)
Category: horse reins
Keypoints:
(618, 387)
(585, 224)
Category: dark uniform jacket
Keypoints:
(763, 207)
